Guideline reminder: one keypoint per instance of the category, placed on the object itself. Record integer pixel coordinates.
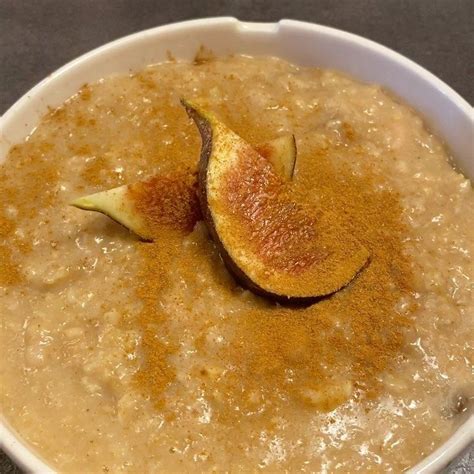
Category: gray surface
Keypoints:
(37, 37)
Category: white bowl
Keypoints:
(445, 111)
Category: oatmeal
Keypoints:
(125, 356)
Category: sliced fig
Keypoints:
(274, 245)
(144, 207)
(148, 206)
(281, 153)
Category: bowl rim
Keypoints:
(10, 442)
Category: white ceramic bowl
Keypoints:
(445, 111)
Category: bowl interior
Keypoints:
(302, 43)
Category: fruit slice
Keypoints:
(146, 206)
(274, 245)
(281, 153)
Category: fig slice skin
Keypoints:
(273, 246)
(122, 204)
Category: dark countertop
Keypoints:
(38, 36)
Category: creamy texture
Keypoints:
(72, 348)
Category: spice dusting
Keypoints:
(323, 354)
(354, 335)
(168, 201)
(157, 372)
(345, 341)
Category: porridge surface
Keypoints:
(113, 362)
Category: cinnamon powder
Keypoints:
(167, 201)
(280, 352)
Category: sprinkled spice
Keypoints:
(167, 201)
(346, 341)
(157, 372)
(37, 191)
(9, 274)
(322, 354)
(355, 334)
